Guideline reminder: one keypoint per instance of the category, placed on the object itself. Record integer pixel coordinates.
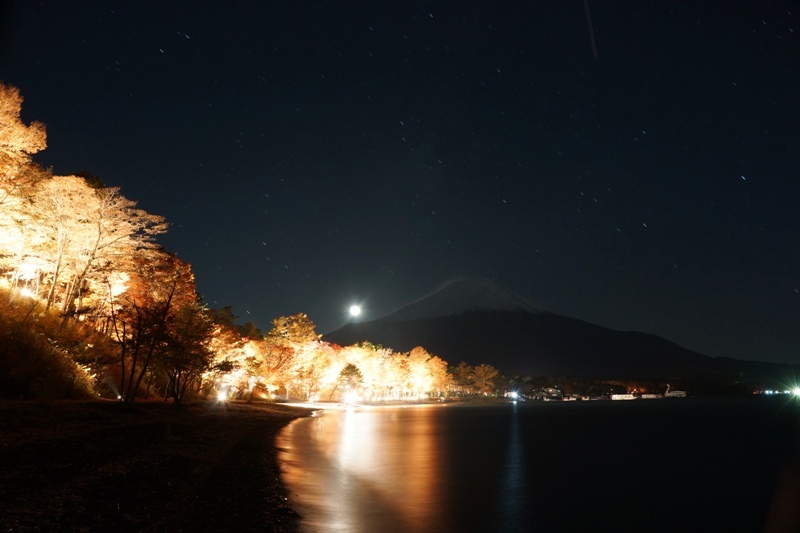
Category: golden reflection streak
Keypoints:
(345, 469)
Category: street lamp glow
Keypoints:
(355, 310)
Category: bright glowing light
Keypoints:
(118, 283)
(350, 397)
(27, 271)
(796, 391)
(513, 395)
(355, 310)
(222, 396)
(25, 291)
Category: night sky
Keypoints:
(314, 154)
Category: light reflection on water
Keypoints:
(513, 488)
(642, 466)
(354, 470)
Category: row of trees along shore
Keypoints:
(92, 305)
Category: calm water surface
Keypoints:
(660, 465)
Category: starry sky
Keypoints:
(314, 154)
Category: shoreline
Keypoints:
(96, 464)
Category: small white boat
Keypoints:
(623, 397)
(648, 396)
(674, 393)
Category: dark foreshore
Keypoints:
(98, 465)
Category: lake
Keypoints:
(645, 465)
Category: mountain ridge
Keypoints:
(481, 322)
(464, 296)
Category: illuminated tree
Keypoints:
(226, 342)
(18, 240)
(401, 375)
(422, 378)
(18, 174)
(350, 378)
(288, 357)
(274, 359)
(73, 238)
(437, 374)
(185, 352)
(58, 209)
(250, 331)
(231, 367)
(374, 363)
(310, 370)
(422, 373)
(291, 355)
(461, 378)
(297, 329)
(114, 229)
(140, 319)
(17, 143)
(21, 239)
(483, 377)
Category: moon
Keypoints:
(355, 310)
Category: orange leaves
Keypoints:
(18, 141)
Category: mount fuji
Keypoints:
(481, 322)
(464, 297)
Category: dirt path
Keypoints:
(87, 466)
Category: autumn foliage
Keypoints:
(90, 304)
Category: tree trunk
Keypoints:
(65, 304)
(157, 336)
(76, 287)
(168, 387)
(56, 272)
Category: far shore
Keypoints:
(430, 402)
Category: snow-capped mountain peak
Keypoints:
(465, 296)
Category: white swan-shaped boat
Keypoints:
(674, 393)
